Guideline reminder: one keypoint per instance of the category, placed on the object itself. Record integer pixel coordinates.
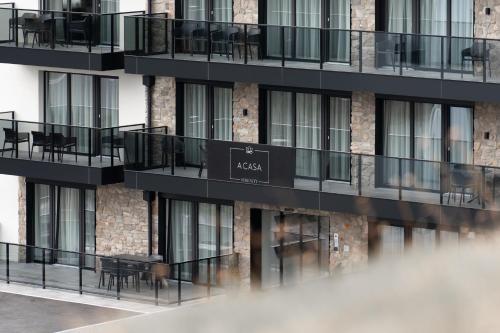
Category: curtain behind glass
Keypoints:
(207, 240)
(223, 114)
(433, 21)
(427, 145)
(340, 138)
(226, 230)
(462, 25)
(396, 138)
(423, 240)
(461, 131)
(108, 7)
(181, 220)
(57, 99)
(281, 117)
(392, 241)
(340, 38)
(270, 273)
(69, 222)
(223, 10)
(43, 217)
(308, 22)
(110, 104)
(279, 12)
(90, 219)
(195, 122)
(308, 134)
(399, 16)
(82, 111)
(194, 10)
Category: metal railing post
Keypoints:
(400, 178)
(442, 58)
(156, 289)
(484, 60)
(80, 273)
(245, 43)
(483, 187)
(90, 33)
(52, 141)
(113, 148)
(400, 54)
(17, 139)
(7, 262)
(53, 31)
(118, 279)
(441, 181)
(209, 42)
(321, 48)
(90, 146)
(360, 51)
(173, 39)
(360, 176)
(282, 42)
(209, 278)
(321, 170)
(172, 164)
(179, 287)
(112, 33)
(43, 268)
(15, 28)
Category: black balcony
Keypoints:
(61, 153)
(377, 186)
(62, 39)
(387, 63)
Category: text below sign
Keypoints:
(251, 163)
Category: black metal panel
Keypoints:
(61, 59)
(166, 184)
(61, 172)
(315, 79)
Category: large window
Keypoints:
(311, 122)
(203, 112)
(420, 133)
(61, 218)
(431, 17)
(83, 6)
(195, 230)
(81, 100)
(205, 10)
(388, 240)
(308, 16)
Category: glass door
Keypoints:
(278, 13)
(338, 20)
(308, 134)
(68, 228)
(339, 139)
(461, 146)
(43, 219)
(195, 121)
(307, 33)
(182, 239)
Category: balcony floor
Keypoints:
(338, 187)
(368, 67)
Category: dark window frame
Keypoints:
(209, 12)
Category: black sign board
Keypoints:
(251, 163)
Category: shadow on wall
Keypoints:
(452, 290)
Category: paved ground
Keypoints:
(30, 314)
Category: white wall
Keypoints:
(9, 220)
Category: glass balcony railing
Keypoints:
(139, 277)
(383, 177)
(411, 55)
(62, 30)
(76, 145)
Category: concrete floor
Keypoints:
(31, 314)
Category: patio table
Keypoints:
(139, 262)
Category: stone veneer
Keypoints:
(246, 11)
(164, 103)
(22, 210)
(486, 120)
(162, 6)
(246, 128)
(122, 221)
(486, 26)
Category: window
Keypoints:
(422, 132)
(85, 6)
(81, 100)
(389, 240)
(204, 111)
(205, 10)
(61, 218)
(295, 120)
(195, 230)
(303, 42)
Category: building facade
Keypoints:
(309, 137)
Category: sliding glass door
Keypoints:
(208, 114)
(61, 218)
(298, 119)
(205, 10)
(338, 19)
(414, 132)
(308, 22)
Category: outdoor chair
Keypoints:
(14, 138)
(40, 140)
(477, 53)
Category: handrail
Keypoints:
(72, 126)
(70, 12)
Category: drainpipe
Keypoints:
(149, 82)
(150, 6)
(150, 197)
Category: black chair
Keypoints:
(476, 53)
(62, 143)
(463, 181)
(203, 160)
(109, 267)
(80, 27)
(40, 140)
(166, 151)
(198, 36)
(117, 141)
(254, 40)
(387, 47)
(219, 43)
(234, 38)
(14, 138)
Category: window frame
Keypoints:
(209, 10)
